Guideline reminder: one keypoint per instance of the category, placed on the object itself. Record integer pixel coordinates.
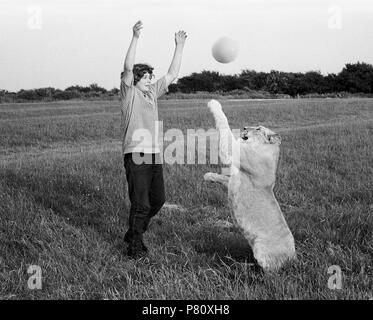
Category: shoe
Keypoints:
(136, 252)
(128, 240)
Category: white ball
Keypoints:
(225, 50)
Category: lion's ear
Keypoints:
(274, 139)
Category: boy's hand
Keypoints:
(136, 29)
(180, 37)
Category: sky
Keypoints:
(59, 43)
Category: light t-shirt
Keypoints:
(140, 117)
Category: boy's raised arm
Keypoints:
(131, 53)
(173, 71)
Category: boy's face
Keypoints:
(144, 83)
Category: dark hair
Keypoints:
(139, 69)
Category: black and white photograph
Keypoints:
(205, 152)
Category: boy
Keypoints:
(140, 112)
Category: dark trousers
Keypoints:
(146, 193)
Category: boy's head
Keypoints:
(142, 76)
(139, 70)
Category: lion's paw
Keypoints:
(273, 260)
(209, 176)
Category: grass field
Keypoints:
(62, 205)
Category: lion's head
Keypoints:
(260, 134)
(259, 153)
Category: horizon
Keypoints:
(59, 43)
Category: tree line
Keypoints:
(354, 78)
(50, 94)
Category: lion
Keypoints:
(253, 164)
